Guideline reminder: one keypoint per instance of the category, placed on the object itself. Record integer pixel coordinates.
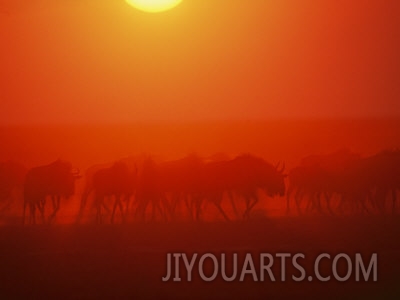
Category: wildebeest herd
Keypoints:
(146, 189)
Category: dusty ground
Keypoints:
(120, 262)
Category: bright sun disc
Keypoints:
(153, 5)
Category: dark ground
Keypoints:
(128, 262)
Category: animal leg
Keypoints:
(198, 203)
(41, 206)
(56, 207)
(32, 213)
(328, 199)
(116, 202)
(251, 205)
(128, 205)
(232, 200)
(222, 211)
(98, 204)
(288, 195)
(317, 198)
(82, 206)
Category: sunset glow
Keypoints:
(210, 60)
(153, 6)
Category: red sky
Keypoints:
(103, 61)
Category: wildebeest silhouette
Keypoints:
(241, 177)
(95, 194)
(195, 181)
(149, 191)
(116, 181)
(317, 176)
(12, 176)
(55, 180)
(370, 181)
(388, 180)
(167, 185)
(179, 181)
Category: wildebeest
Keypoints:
(194, 181)
(317, 176)
(149, 191)
(165, 185)
(98, 191)
(12, 177)
(116, 181)
(369, 182)
(55, 180)
(241, 178)
(388, 180)
(179, 181)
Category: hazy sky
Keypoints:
(103, 61)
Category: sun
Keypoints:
(153, 6)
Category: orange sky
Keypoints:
(103, 61)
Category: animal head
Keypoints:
(63, 177)
(276, 176)
(267, 177)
